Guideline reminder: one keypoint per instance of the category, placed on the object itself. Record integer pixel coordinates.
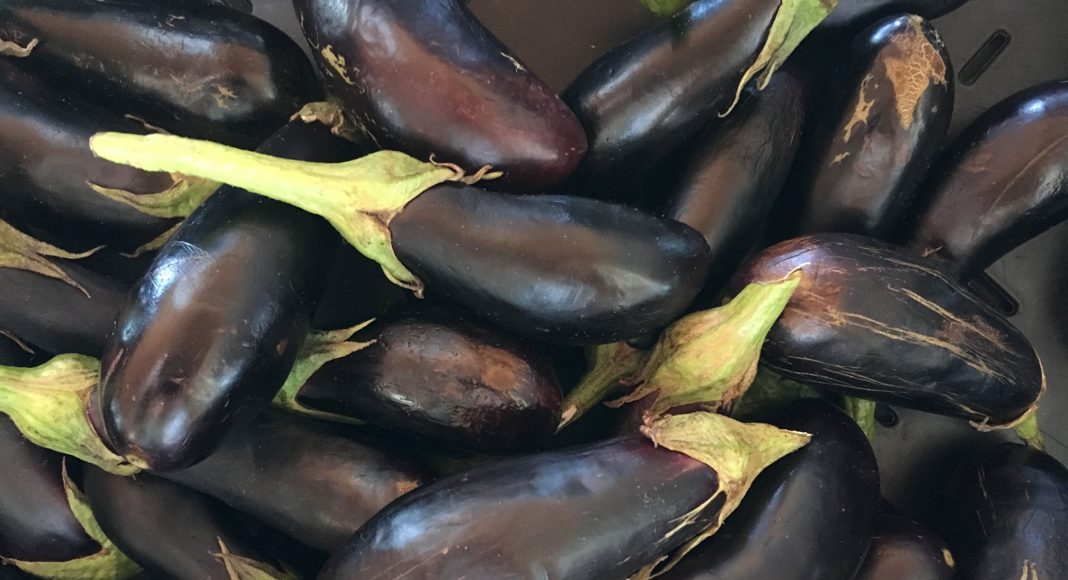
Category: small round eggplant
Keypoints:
(193, 69)
(212, 331)
(172, 532)
(808, 517)
(863, 177)
(425, 77)
(864, 306)
(600, 511)
(444, 379)
(1006, 515)
(1004, 181)
(318, 482)
(904, 550)
(851, 15)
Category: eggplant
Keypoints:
(1003, 182)
(853, 14)
(434, 375)
(644, 99)
(864, 306)
(210, 334)
(425, 77)
(350, 275)
(901, 548)
(875, 150)
(315, 481)
(599, 511)
(1005, 514)
(807, 517)
(192, 69)
(173, 532)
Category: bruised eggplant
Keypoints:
(194, 69)
(600, 511)
(173, 532)
(213, 329)
(1004, 181)
(873, 321)
(807, 517)
(1006, 515)
(425, 77)
(317, 482)
(647, 97)
(862, 178)
(438, 377)
(902, 549)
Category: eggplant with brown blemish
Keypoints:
(807, 517)
(877, 322)
(646, 98)
(1005, 515)
(192, 69)
(434, 375)
(877, 148)
(561, 268)
(1003, 182)
(425, 77)
(212, 331)
(597, 511)
(901, 548)
(173, 532)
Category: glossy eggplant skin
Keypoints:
(315, 481)
(863, 306)
(808, 516)
(1006, 515)
(736, 172)
(172, 532)
(1004, 181)
(580, 513)
(647, 97)
(36, 522)
(45, 164)
(853, 14)
(212, 331)
(901, 548)
(194, 69)
(863, 177)
(444, 379)
(561, 268)
(425, 77)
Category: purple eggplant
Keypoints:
(850, 15)
(904, 549)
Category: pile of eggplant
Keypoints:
(400, 310)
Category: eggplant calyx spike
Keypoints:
(243, 568)
(16, 50)
(1028, 430)
(20, 251)
(359, 198)
(663, 8)
(155, 243)
(330, 114)
(609, 364)
(183, 196)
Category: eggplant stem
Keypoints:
(1029, 430)
(863, 412)
(243, 568)
(608, 364)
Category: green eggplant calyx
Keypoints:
(155, 243)
(1028, 429)
(770, 388)
(665, 8)
(179, 200)
(19, 251)
(319, 348)
(863, 412)
(792, 23)
(109, 563)
(12, 48)
(738, 452)
(710, 357)
(359, 198)
(329, 113)
(609, 364)
(48, 403)
(242, 568)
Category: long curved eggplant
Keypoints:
(173, 532)
(647, 97)
(197, 70)
(444, 379)
(1004, 181)
(315, 481)
(852, 14)
(864, 306)
(903, 549)
(213, 329)
(863, 177)
(1006, 515)
(425, 77)
(808, 517)
(599, 512)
